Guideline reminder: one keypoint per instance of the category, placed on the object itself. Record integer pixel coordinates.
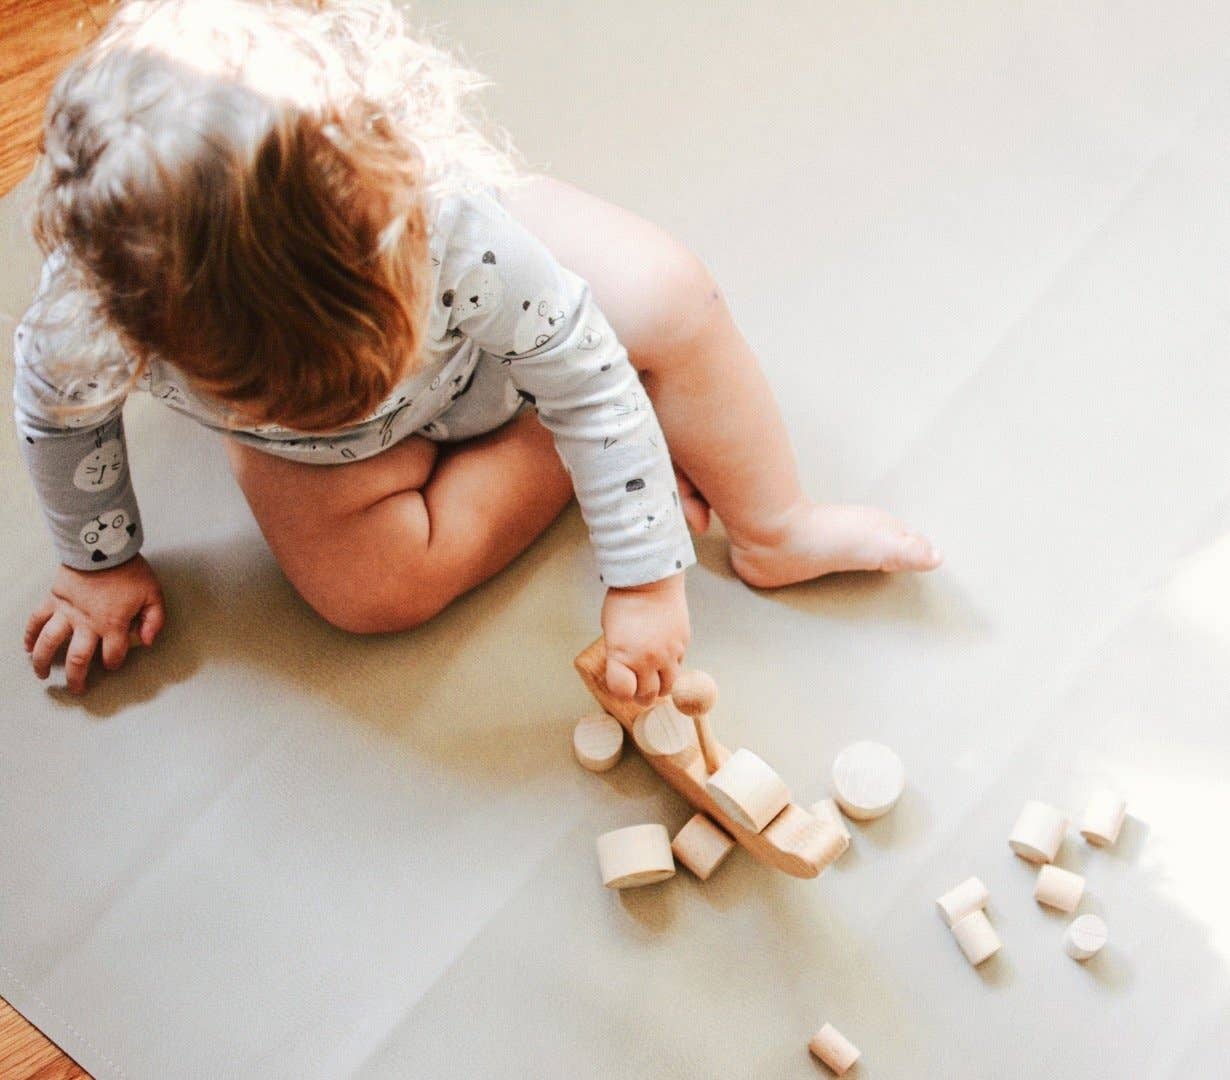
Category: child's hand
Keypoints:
(647, 633)
(92, 608)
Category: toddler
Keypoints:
(277, 217)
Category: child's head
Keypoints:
(242, 187)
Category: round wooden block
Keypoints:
(1103, 818)
(1085, 936)
(1058, 888)
(598, 741)
(694, 693)
(970, 896)
(664, 731)
(637, 855)
(701, 846)
(1038, 832)
(868, 779)
(834, 1049)
(826, 812)
(977, 937)
(748, 790)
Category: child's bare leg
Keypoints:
(387, 542)
(715, 405)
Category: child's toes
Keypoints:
(911, 552)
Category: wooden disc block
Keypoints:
(748, 790)
(977, 937)
(637, 855)
(970, 896)
(664, 731)
(598, 741)
(1038, 832)
(1103, 818)
(1085, 936)
(827, 812)
(1059, 888)
(868, 779)
(834, 1049)
(701, 846)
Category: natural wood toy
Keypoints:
(1086, 934)
(868, 779)
(701, 846)
(694, 695)
(598, 742)
(748, 790)
(1103, 819)
(794, 842)
(834, 1049)
(977, 937)
(663, 731)
(1059, 888)
(635, 856)
(970, 896)
(1038, 832)
(826, 811)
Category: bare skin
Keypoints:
(423, 523)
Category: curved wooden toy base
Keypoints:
(793, 841)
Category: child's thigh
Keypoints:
(653, 290)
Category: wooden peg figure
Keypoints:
(694, 695)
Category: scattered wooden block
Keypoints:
(598, 741)
(1085, 936)
(868, 779)
(1103, 818)
(634, 856)
(1059, 888)
(834, 1049)
(694, 695)
(821, 843)
(701, 846)
(827, 813)
(1038, 832)
(977, 937)
(664, 731)
(970, 896)
(748, 790)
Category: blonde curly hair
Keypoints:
(243, 189)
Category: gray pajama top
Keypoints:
(507, 326)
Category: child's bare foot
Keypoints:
(817, 539)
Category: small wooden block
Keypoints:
(977, 937)
(834, 1049)
(664, 731)
(1038, 833)
(827, 812)
(701, 846)
(635, 856)
(598, 741)
(1103, 818)
(1059, 888)
(868, 779)
(970, 896)
(1085, 936)
(748, 790)
(821, 842)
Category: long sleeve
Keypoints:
(78, 459)
(508, 294)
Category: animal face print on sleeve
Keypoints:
(100, 469)
(540, 320)
(107, 534)
(480, 290)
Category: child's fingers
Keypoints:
(77, 659)
(36, 622)
(56, 630)
(620, 679)
(114, 648)
(647, 684)
(667, 674)
(152, 619)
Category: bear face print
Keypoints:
(540, 320)
(480, 290)
(107, 534)
(100, 469)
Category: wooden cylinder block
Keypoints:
(598, 741)
(1059, 888)
(664, 731)
(1038, 832)
(868, 779)
(1103, 819)
(701, 846)
(977, 937)
(748, 790)
(970, 896)
(826, 812)
(1085, 936)
(834, 1049)
(637, 855)
(819, 842)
